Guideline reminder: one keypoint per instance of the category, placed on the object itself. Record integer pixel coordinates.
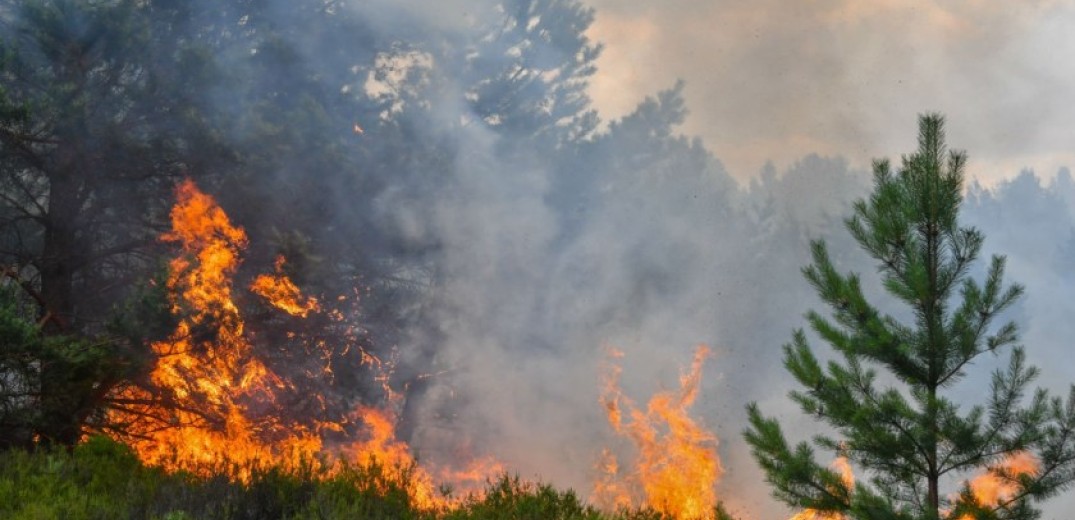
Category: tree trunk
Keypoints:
(61, 414)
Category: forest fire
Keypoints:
(993, 488)
(206, 370)
(420, 226)
(217, 400)
(990, 489)
(676, 466)
(214, 403)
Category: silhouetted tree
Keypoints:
(97, 121)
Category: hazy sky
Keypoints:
(776, 79)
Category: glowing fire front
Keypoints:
(212, 403)
(676, 466)
(206, 376)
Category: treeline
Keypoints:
(445, 163)
(375, 146)
(310, 121)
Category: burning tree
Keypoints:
(90, 145)
(104, 106)
(909, 438)
(214, 404)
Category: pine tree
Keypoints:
(96, 123)
(905, 438)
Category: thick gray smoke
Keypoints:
(526, 239)
(640, 240)
(773, 81)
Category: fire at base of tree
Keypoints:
(348, 259)
(213, 404)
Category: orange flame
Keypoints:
(991, 488)
(383, 449)
(214, 405)
(841, 465)
(677, 464)
(282, 293)
(206, 368)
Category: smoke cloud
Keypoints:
(772, 81)
(511, 253)
(644, 240)
(667, 250)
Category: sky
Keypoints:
(776, 80)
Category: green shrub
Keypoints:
(104, 480)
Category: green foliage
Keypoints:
(96, 123)
(909, 436)
(103, 479)
(100, 479)
(79, 370)
(511, 498)
(146, 314)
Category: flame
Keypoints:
(991, 488)
(206, 369)
(282, 293)
(611, 491)
(212, 403)
(677, 464)
(841, 465)
(394, 456)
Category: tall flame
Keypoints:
(206, 370)
(677, 466)
(212, 403)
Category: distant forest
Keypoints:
(442, 176)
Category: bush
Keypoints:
(103, 479)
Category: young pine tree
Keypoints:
(913, 447)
